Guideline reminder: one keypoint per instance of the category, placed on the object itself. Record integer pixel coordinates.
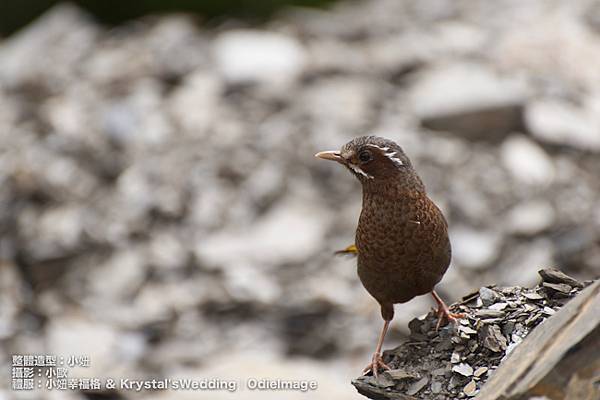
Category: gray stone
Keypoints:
(73, 334)
(417, 386)
(474, 249)
(488, 296)
(557, 289)
(436, 387)
(470, 389)
(491, 337)
(562, 123)
(530, 218)
(62, 36)
(200, 91)
(12, 299)
(120, 276)
(489, 107)
(285, 234)
(553, 275)
(463, 369)
(527, 161)
(400, 374)
(256, 56)
(498, 306)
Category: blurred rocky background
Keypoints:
(161, 210)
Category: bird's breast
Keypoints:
(404, 233)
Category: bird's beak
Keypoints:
(329, 155)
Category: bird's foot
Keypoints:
(375, 365)
(444, 314)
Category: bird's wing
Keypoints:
(351, 251)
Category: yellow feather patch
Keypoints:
(351, 251)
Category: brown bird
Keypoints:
(402, 236)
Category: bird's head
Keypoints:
(372, 159)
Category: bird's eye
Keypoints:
(364, 156)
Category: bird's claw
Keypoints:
(375, 365)
(444, 314)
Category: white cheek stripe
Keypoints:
(359, 171)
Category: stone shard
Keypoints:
(417, 386)
(470, 389)
(557, 289)
(491, 337)
(400, 374)
(463, 369)
(553, 275)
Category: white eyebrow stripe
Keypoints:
(359, 171)
(378, 147)
(392, 155)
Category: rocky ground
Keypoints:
(455, 361)
(161, 210)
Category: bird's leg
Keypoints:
(443, 312)
(377, 360)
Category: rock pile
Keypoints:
(456, 361)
